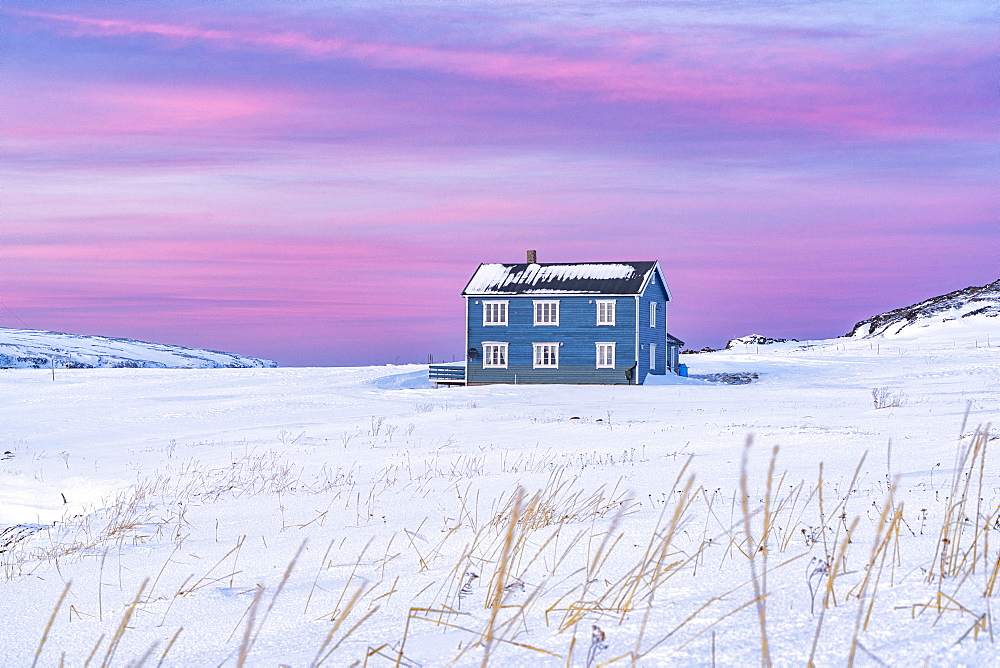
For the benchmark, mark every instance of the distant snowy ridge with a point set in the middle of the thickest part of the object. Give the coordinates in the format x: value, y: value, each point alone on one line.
x: 28, y: 348
x: 754, y: 340
x: 972, y: 302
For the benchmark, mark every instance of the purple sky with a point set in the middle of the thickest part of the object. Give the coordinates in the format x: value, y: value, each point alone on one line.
x: 315, y: 182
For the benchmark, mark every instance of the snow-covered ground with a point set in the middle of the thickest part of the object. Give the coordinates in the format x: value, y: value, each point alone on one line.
x: 356, y: 516
x: 36, y: 349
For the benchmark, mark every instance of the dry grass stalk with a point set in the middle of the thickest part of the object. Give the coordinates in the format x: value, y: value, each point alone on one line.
x: 93, y: 652
x: 655, y: 573
x: 712, y: 625
x: 350, y: 578
x: 166, y: 650
x: 942, y: 603
x: 879, y: 548
x: 706, y: 605
x: 250, y: 615
x: 322, y: 563
x: 245, y: 648
x: 437, y: 617
x: 556, y: 504
x: 765, y: 653
x: 764, y: 537
x: 950, y: 557
x: 413, y: 614
x: 141, y: 661
x: 991, y: 580
x: 322, y: 654
x: 500, y: 577
x: 109, y: 655
x: 652, y: 570
x: 204, y: 580
x: 52, y: 619
x: 836, y: 567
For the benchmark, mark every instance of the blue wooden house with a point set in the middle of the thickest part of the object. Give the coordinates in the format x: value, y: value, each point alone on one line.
x: 592, y: 322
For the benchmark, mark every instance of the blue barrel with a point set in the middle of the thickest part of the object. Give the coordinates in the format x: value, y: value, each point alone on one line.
x: 682, y: 370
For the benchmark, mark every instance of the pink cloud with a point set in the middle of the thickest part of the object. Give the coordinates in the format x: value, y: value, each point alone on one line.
x: 74, y: 110
x: 791, y: 84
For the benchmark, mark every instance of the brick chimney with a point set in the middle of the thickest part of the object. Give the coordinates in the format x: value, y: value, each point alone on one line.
x: 532, y: 257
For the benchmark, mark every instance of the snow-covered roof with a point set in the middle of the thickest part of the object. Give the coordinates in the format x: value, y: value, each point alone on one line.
x: 611, y: 278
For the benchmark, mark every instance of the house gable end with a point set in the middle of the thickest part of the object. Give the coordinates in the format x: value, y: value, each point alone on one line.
x: 656, y: 272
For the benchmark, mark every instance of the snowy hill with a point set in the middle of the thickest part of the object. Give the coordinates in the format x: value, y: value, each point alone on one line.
x: 27, y: 349
x: 972, y: 302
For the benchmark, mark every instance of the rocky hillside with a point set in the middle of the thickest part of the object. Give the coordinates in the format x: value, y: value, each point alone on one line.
x: 27, y: 348
x: 976, y: 301
x: 754, y: 340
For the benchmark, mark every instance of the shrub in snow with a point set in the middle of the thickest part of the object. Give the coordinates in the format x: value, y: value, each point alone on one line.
x: 886, y: 397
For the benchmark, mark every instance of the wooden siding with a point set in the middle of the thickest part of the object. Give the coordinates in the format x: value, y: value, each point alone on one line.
x: 526, y: 375
x: 577, y: 331
x: 655, y: 335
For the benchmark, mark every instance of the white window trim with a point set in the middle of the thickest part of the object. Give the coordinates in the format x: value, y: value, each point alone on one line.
x: 600, y: 363
x: 652, y: 356
x: 608, y: 303
x: 652, y: 314
x: 535, y: 303
x: 534, y: 355
x: 505, y: 310
x: 504, y: 346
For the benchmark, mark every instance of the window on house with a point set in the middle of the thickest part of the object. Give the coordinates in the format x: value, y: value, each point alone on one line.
x: 605, y: 312
x: 652, y: 356
x: 652, y: 314
x: 547, y: 313
x: 494, y: 355
x: 495, y: 313
x: 546, y: 355
x: 605, y: 355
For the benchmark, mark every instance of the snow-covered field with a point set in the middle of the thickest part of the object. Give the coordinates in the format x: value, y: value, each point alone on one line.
x: 356, y: 516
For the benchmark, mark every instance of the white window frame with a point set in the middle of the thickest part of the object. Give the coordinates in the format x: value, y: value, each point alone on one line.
x: 608, y: 314
x: 501, y: 307
x: 497, y: 350
x: 652, y: 356
x: 550, y: 314
x: 538, y: 355
x: 652, y: 314
x: 603, y: 347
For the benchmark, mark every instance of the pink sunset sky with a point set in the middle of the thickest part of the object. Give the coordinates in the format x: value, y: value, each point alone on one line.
x: 315, y: 182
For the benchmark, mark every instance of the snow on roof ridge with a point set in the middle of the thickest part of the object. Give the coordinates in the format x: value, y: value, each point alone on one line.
x: 534, y: 273
x: 496, y: 276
